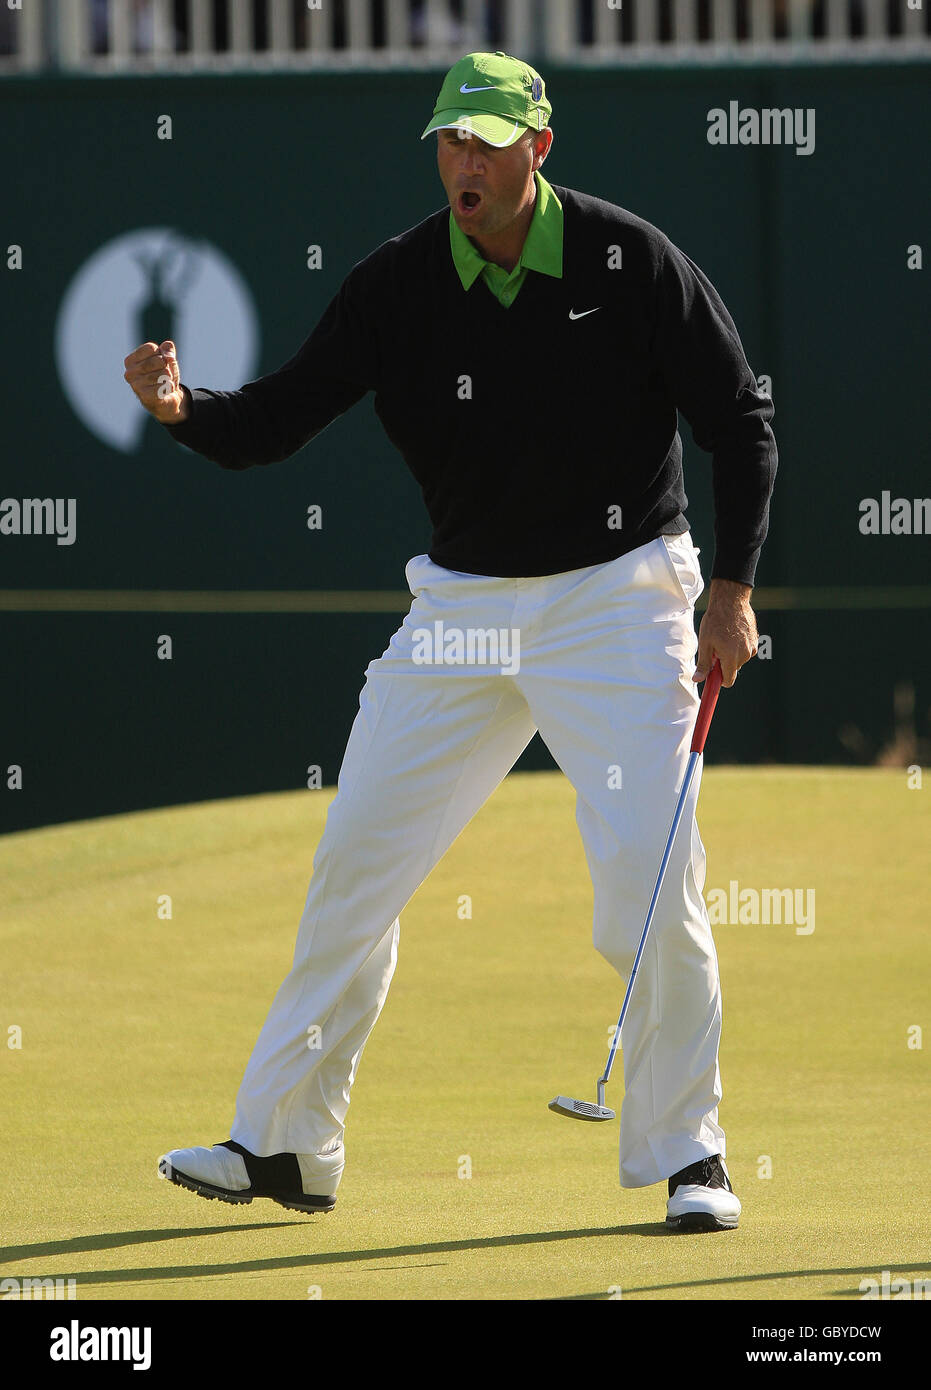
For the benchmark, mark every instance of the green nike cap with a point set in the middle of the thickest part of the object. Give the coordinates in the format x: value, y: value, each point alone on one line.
x: 493, y: 96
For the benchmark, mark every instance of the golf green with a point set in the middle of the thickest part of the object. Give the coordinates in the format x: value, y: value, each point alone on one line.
x: 460, y: 1183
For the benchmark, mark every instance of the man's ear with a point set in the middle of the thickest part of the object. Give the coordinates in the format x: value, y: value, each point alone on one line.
x: 540, y: 156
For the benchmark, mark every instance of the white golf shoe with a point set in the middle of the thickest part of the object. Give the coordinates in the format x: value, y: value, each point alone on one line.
x: 701, y: 1198
x: 230, y: 1173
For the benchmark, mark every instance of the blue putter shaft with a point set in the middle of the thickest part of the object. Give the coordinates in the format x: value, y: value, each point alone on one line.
x: 582, y: 1110
x: 689, y: 773
x: 709, y: 699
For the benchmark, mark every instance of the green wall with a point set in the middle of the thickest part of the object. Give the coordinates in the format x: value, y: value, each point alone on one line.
x: 809, y: 253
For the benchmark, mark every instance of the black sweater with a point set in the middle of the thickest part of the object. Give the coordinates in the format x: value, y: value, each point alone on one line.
x: 561, y: 419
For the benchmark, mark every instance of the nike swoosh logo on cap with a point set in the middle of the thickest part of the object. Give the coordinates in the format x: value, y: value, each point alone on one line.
x: 465, y: 90
x: 584, y: 313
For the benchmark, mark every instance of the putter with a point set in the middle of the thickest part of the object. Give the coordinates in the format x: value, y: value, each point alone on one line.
x: 583, y: 1109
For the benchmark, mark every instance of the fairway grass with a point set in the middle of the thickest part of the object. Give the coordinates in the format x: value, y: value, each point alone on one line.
x: 460, y: 1183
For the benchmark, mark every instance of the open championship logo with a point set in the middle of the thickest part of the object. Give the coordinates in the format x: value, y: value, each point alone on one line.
x: 147, y: 286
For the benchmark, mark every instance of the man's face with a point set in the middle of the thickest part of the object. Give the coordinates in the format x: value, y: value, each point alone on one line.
x: 487, y: 188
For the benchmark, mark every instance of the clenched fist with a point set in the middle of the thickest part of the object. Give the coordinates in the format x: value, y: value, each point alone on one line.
x: 152, y: 372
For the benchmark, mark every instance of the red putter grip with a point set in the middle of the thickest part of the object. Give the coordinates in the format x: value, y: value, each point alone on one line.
x: 709, y: 698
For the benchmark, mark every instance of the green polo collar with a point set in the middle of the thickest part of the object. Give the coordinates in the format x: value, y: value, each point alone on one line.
x: 542, y: 249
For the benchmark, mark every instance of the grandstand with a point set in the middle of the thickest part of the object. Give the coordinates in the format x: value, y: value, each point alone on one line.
x: 120, y: 35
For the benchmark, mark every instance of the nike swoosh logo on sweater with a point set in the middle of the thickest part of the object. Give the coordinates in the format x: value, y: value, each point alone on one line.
x: 584, y: 313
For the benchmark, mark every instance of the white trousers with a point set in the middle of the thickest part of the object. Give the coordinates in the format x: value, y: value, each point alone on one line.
x: 605, y: 663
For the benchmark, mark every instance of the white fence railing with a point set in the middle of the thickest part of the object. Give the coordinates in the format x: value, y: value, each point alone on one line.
x: 121, y: 35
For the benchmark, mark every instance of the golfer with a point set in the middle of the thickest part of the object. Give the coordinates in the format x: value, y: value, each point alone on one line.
x: 528, y: 348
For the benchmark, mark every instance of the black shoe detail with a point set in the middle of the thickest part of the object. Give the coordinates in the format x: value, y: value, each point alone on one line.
x: 707, y: 1172
x: 277, y: 1173
x: 279, y: 1177
x: 698, y: 1221
x: 306, y: 1202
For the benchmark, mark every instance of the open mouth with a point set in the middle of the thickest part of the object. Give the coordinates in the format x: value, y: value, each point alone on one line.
x: 469, y: 201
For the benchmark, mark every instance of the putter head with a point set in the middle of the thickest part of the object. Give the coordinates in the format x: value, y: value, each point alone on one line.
x: 580, y: 1109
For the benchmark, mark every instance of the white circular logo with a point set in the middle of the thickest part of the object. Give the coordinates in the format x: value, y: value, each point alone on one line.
x: 147, y: 286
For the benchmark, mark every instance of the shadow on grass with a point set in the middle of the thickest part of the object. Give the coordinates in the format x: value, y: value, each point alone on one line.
x: 114, y: 1239
x: 319, y: 1259
x: 327, y: 1257
x: 736, y: 1279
